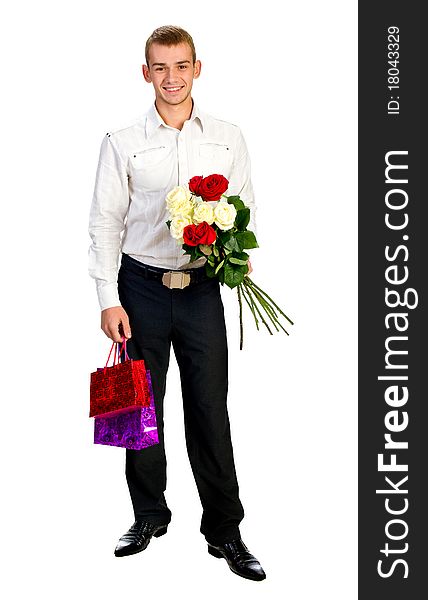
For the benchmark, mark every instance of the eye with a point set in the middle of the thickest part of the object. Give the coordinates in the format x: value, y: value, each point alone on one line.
x: 183, y: 66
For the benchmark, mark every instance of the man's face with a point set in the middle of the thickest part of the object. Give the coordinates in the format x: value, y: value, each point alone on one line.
x: 171, y: 71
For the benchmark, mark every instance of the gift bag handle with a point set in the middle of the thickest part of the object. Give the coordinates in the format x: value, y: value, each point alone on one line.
x: 117, y: 353
x: 123, y: 348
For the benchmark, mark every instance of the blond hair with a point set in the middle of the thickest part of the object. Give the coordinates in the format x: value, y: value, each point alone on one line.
x: 170, y: 35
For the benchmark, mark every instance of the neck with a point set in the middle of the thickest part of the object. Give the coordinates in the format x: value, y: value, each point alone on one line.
x: 175, y: 115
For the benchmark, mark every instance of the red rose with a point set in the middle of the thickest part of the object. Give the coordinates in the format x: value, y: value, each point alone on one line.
x: 212, y: 187
x: 193, y: 235
x: 194, y: 184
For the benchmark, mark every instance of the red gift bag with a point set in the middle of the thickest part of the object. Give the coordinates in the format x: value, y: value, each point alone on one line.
x: 120, y: 387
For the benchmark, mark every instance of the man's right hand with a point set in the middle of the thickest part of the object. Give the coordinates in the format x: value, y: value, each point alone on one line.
x: 115, y: 323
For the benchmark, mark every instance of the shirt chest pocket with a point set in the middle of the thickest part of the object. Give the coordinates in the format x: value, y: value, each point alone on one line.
x: 150, y: 167
x: 215, y: 157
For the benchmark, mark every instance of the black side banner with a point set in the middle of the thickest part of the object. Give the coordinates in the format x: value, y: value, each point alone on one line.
x: 393, y: 273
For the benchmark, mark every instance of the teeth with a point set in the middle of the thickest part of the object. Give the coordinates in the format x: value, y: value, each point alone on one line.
x: 173, y: 89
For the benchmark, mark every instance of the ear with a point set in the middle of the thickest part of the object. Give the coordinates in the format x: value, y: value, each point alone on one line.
x: 197, y: 69
x: 146, y: 73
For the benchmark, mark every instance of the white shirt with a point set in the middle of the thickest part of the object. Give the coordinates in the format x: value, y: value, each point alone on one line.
x: 138, y: 165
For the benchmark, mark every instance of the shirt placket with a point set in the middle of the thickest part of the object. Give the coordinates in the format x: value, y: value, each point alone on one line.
x: 183, y: 167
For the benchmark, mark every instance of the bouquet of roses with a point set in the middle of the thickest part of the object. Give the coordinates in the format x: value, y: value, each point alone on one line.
x: 212, y: 225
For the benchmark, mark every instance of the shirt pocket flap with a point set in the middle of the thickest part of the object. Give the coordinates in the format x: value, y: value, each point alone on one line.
x: 214, y: 149
x: 149, y: 157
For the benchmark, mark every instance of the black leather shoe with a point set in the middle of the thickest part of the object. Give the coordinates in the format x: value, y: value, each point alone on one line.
x: 137, y: 537
x: 239, y: 559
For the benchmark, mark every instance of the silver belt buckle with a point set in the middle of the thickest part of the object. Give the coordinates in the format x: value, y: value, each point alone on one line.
x: 176, y: 279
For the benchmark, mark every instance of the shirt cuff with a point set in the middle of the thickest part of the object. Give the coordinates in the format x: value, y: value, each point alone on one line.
x: 108, y: 295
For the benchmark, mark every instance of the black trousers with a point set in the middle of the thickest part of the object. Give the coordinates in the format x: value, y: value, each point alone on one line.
x: 192, y: 320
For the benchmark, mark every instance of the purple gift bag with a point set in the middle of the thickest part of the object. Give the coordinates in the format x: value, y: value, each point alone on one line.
x: 134, y: 429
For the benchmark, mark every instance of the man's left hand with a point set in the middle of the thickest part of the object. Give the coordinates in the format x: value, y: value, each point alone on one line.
x: 250, y: 268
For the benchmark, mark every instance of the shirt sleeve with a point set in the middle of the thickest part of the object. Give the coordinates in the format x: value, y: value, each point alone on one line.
x: 240, y: 181
x: 108, y: 210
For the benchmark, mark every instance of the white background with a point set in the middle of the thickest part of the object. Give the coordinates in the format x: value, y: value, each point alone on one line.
x: 72, y: 72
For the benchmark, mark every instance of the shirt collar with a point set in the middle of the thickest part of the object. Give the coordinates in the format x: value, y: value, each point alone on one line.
x: 154, y: 120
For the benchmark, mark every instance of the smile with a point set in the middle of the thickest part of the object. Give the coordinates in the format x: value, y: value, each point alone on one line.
x: 173, y: 89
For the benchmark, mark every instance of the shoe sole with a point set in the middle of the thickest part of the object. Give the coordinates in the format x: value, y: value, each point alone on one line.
x: 218, y: 554
x: 158, y: 533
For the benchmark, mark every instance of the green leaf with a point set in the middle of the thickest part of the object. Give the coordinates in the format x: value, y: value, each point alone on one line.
x: 219, y: 266
x: 237, y: 261
x: 215, y: 250
x: 223, y: 237
x: 242, y: 219
x: 236, y: 201
x: 246, y: 239
x: 241, y: 255
x: 234, y: 274
x: 211, y: 260
x: 232, y: 244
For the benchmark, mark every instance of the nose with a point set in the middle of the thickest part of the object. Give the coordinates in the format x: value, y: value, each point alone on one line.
x: 170, y: 80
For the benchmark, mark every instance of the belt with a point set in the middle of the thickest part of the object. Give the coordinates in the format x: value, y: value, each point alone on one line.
x: 177, y: 279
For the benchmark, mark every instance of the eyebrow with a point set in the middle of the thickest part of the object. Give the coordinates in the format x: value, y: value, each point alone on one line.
x: 179, y: 62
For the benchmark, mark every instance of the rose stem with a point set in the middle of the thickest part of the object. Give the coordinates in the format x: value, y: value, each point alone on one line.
x: 250, y: 291
x: 249, y: 302
x: 267, y: 308
x: 269, y: 298
x: 244, y: 295
x: 241, y: 329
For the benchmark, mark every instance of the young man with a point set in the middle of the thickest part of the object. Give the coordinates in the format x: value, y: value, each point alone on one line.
x: 138, y: 166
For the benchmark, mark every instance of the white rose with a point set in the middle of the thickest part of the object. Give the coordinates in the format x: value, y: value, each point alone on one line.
x: 178, y: 223
x: 179, y: 201
x: 203, y: 212
x: 224, y: 215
